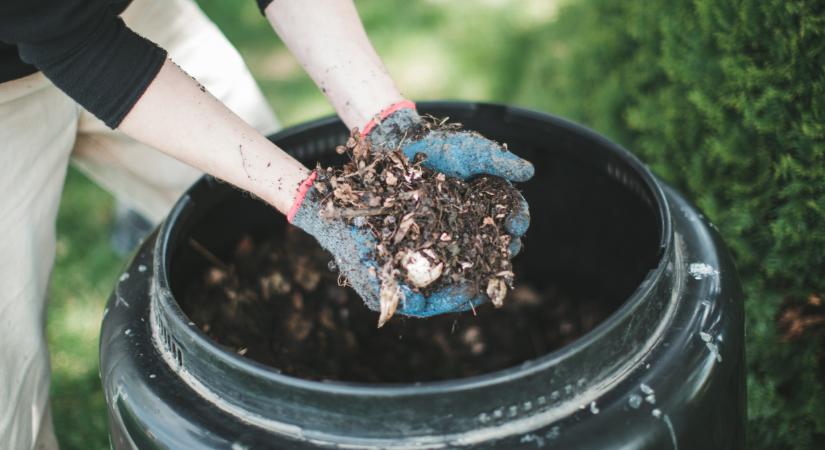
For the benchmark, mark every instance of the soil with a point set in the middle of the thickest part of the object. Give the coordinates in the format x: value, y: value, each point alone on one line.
x: 431, y: 230
x: 278, y: 302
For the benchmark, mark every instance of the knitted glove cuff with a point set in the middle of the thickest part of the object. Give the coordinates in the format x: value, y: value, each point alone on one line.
x: 303, y: 189
x: 389, y: 127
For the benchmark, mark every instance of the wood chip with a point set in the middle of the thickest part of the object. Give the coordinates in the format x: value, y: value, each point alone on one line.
x: 496, y: 290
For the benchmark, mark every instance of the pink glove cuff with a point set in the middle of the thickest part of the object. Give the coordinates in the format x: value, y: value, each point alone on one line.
x: 302, y: 193
x: 386, y: 113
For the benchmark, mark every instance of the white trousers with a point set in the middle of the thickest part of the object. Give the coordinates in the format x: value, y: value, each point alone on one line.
x: 41, y: 129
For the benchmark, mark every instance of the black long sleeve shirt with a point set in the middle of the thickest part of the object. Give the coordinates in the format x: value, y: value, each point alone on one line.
x: 84, y: 48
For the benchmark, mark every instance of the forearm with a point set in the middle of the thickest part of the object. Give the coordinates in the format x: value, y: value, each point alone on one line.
x: 328, y: 39
x: 178, y: 116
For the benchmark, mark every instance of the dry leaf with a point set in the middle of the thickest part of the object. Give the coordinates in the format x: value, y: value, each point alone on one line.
x: 389, y: 296
x: 391, y: 179
x: 406, y: 223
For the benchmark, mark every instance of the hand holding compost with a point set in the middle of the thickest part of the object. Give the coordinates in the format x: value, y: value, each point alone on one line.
x: 412, y: 239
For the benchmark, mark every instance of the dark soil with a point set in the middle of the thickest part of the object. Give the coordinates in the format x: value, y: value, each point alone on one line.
x: 431, y: 230
x: 278, y: 302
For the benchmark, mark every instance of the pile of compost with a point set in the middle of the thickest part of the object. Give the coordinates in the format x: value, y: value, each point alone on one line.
x: 431, y: 230
x: 277, y: 301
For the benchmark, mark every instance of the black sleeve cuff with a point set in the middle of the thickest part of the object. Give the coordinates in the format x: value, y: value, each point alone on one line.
x: 262, y: 4
x: 106, y: 73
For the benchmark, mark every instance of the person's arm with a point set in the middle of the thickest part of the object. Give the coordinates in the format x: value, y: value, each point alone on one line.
x: 125, y: 80
x: 329, y: 41
x: 180, y: 117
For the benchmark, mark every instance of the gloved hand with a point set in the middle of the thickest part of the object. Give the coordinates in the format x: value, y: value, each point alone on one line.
x: 456, y: 153
x: 460, y: 154
x: 353, y: 249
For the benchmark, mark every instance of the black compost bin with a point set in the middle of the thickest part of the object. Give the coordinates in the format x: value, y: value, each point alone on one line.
x: 664, y: 369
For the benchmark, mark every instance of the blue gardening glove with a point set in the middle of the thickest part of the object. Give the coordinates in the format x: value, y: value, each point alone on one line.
x: 460, y: 154
x: 353, y: 250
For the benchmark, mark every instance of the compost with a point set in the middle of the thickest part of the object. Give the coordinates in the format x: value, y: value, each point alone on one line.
x: 431, y: 230
x: 277, y: 300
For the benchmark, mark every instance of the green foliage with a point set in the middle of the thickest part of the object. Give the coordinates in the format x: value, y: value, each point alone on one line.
x: 727, y: 101
x: 85, y: 270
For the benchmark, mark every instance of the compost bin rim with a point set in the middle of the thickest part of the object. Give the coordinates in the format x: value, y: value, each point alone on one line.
x: 180, y: 321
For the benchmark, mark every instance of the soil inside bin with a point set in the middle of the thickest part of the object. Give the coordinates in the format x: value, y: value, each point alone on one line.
x: 278, y: 302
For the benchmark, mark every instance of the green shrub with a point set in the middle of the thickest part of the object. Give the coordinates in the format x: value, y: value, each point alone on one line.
x: 727, y: 101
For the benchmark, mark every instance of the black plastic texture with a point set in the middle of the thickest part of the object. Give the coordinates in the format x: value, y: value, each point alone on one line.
x: 665, y: 370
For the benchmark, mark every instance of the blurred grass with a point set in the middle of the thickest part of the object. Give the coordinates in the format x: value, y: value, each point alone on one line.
x: 85, y: 270
x: 434, y: 49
